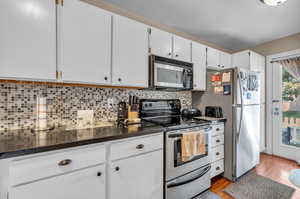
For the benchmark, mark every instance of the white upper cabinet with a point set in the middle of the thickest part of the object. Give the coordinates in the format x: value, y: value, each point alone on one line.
x: 225, y: 60
x: 199, y: 61
x: 181, y: 49
x: 28, y: 39
x: 138, y: 177
x: 213, y: 58
x: 249, y: 60
x: 160, y: 43
x: 241, y: 60
x: 217, y: 59
x: 130, y: 53
x: 85, y: 43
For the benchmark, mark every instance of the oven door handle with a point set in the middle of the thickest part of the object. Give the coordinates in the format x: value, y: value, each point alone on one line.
x: 190, y: 180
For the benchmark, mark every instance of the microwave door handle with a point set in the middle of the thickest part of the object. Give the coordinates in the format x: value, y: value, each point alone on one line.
x: 190, y: 180
x: 184, y: 78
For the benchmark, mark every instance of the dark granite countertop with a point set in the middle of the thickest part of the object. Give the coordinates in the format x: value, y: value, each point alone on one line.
x: 24, y: 142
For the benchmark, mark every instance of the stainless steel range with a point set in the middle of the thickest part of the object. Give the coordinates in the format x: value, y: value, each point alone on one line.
x: 186, y: 175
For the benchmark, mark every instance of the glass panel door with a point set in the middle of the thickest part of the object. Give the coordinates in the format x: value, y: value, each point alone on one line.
x: 285, y: 113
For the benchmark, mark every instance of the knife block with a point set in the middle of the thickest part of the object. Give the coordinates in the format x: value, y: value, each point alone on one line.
x: 133, y: 116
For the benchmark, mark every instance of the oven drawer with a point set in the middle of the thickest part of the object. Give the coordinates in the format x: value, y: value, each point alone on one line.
x: 218, y: 129
x: 217, y: 168
x: 217, y: 140
x: 137, y: 146
x: 217, y: 153
x: 189, y: 185
x: 42, y: 166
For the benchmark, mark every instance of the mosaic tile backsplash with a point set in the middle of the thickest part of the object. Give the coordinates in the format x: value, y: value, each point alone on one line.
x: 18, y: 103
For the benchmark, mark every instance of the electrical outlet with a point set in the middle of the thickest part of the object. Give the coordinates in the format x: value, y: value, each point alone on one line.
x: 110, y: 102
x: 85, y: 118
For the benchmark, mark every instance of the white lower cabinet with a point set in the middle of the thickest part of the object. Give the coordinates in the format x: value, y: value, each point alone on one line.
x: 129, y: 169
x: 217, y: 151
x: 138, y: 177
x: 87, y: 183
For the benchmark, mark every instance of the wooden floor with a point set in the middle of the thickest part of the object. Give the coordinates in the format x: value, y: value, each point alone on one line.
x: 272, y: 167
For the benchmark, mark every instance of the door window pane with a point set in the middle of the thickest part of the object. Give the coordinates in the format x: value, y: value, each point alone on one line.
x: 290, y: 110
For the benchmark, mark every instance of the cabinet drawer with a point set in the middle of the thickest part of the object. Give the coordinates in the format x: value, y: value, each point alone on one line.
x: 217, y: 153
x: 86, y: 183
x: 217, y: 140
x: 128, y: 148
x: 217, y: 168
x: 42, y: 166
x: 218, y: 129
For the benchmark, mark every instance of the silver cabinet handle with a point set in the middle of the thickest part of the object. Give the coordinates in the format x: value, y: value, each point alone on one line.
x: 65, y: 162
x: 140, y: 146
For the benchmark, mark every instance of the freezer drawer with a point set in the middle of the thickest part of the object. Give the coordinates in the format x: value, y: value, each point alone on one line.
x: 189, y: 185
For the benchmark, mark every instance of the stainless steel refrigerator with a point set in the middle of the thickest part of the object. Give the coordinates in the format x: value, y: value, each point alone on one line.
x: 238, y: 93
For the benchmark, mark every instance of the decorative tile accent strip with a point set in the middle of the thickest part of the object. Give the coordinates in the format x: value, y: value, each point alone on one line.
x: 18, y: 103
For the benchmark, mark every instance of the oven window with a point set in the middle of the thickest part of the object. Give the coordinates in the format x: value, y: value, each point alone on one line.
x: 169, y: 76
x: 190, y: 147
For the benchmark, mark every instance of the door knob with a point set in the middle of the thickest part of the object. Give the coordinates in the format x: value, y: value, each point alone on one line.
x: 119, y: 79
x: 99, y: 174
x: 105, y: 78
x: 117, y: 168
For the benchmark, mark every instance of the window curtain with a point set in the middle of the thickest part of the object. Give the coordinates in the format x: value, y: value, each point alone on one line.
x: 292, y: 66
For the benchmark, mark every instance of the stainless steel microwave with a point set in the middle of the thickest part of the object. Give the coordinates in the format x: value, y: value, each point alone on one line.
x: 165, y: 73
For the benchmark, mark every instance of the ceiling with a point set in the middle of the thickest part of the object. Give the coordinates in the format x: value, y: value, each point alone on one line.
x: 230, y: 24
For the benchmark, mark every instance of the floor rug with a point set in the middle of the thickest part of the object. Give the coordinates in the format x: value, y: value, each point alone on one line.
x: 208, y: 195
x: 253, y: 186
x: 295, y: 177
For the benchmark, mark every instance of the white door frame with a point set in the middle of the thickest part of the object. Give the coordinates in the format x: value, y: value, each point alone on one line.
x: 269, y: 103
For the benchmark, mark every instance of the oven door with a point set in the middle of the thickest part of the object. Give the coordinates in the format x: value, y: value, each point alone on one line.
x: 176, y: 164
x: 168, y: 76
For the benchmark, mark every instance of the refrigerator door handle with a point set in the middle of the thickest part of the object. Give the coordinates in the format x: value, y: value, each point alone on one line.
x: 242, y: 105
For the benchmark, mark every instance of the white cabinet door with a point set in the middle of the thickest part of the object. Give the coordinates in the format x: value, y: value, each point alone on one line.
x: 225, y: 60
x: 130, y: 53
x: 28, y: 39
x: 213, y: 58
x: 263, y: 79
x: 85, y: 46
x: 255, y: 61
x: 160, y: 43
x: 181, y: 49
x: 241, y: 59
x: 199, y: 61
x: 138, y: 177
x: 87, y: 183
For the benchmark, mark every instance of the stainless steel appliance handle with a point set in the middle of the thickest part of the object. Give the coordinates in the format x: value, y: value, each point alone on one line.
x: 176, y: 135
x: 176, y: 184
x: 242, y: 105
